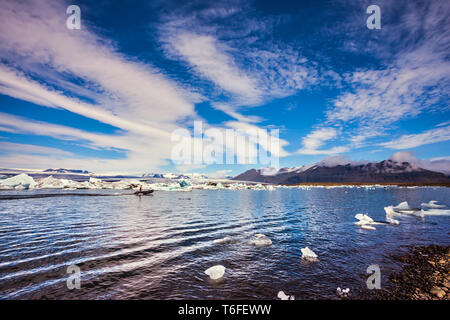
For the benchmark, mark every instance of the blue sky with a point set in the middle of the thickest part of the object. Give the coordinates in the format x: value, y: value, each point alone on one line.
x: 107, y: 97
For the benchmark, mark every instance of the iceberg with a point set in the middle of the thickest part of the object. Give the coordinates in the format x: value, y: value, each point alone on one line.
x: 282, y: 296
x: 432, y: 204
x: 260, y: 240
x: 94, y: 180
x: 365, y: 222
x: 216, y: 272
x: 53, y: 183
x: 404, y: 208
x: 435, y: 212
x: 363, y: 219
x: 389, y: 215
x: 21, y: 181
x: 223, y: 240
x: 308, y: 254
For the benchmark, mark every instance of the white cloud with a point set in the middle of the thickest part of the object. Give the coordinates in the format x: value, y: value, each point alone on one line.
x: 415, y: 140
x: 433, y: 164
x: 318, y: 138
x: 210, y: 58
x: 130, y: 95
x: 32, y: 149
x: 412, y: 75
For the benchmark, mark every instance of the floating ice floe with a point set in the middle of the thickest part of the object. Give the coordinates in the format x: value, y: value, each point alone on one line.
x: 389, y: 215
x: 216, y: 272
x: 308, y: 254
x: 363, y: 219
x: 436, y: 212
x: 20, y: 182
x: 282, y: 296
x: 405, y: 209
x: 342, y: 292
x: 365, y: 222
x: 432, y: 204
x: 367, y: 227
x: 223, y: 240
x: 260, y: 240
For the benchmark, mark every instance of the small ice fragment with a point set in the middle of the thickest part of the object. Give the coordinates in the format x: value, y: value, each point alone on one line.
x: 281, y: 295
x: 367, y: 227
x: 94, y: 180
x: 260, y: 240
x: 223, y: 240
x: 342, y: 292
x: 389, y: 215
x: 435, y: 212
x: 363, y: 219
x: 432, y: 204
x: 215, y: 272
x: 308, y: 254
x: 402, y: 206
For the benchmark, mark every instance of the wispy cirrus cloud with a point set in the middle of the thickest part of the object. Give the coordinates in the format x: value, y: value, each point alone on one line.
x: 411, y: 76
x: 226, y: 46
x: 410, y: 141
x: 45, y: 63
x: 210, y: 59
x: 317, y: 139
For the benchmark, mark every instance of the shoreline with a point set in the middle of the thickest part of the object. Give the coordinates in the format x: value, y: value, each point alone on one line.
x: 425, y: 275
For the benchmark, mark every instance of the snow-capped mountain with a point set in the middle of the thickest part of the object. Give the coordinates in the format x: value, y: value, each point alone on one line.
x: 387, y: 171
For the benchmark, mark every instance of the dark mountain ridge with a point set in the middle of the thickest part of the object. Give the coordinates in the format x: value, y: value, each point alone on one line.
x: 386, y: 171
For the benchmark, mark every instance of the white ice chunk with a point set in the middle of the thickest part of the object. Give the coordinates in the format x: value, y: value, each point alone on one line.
x: 308, y: 254
x: 342, y: 292
x: 53, y: 183
x: 367, y: 227
x: 94, y: 180
x: 216, y: 272
x: 364, y: 219
x: 260, y: 240
x: 436, y: 212
x: 432, y: 204
x: 223, y: 240
x: 282, y: 296
x: 389, y: 215
x: 402, y: 206
x: 21, y: 181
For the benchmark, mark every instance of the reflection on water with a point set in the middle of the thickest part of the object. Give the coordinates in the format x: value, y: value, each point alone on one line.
x: 157, y: 247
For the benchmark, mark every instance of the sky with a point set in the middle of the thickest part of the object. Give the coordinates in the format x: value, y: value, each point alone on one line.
x: 109, y: 96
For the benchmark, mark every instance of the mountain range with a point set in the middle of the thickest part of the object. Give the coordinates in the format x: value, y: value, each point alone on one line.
x: 384, y: 172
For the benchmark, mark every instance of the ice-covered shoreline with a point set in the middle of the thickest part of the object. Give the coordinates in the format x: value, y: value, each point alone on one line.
x: 25, y: 182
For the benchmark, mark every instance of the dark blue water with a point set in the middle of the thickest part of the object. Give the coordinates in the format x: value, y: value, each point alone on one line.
x: 157, y: 247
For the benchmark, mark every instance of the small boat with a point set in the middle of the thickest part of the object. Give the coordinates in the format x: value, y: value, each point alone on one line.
x: 144, y: 192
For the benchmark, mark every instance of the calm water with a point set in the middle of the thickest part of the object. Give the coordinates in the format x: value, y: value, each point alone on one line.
x: 157, y: 247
